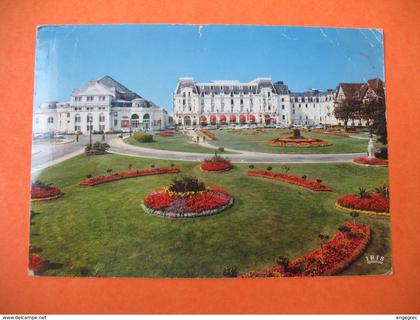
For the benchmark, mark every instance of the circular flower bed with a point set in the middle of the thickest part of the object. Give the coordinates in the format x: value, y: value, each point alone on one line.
x: 196, y: 201
x: 44, y: 192
x: 298, y: 141
x: 371, y: 204
x: 216, y: 164
x: 371, y: 161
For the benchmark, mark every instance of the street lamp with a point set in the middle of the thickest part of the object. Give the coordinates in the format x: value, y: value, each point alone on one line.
x: 90, y: 132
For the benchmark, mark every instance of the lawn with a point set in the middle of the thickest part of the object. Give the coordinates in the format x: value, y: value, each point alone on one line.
x: 102, y: 231
x: 235, y: 139
x: 176, y: 143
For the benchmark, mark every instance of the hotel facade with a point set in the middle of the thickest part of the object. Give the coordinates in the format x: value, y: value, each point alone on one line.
x: 101, y: 105
x: 260, y: 101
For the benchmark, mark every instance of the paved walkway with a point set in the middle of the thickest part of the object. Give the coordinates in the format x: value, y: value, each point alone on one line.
x: 118, y: 146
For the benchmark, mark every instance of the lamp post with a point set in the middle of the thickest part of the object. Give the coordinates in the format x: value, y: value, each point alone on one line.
x: 130, y: 128
x: 90, y: 132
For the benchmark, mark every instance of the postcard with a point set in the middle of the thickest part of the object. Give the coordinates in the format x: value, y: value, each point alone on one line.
x: 213, y: 151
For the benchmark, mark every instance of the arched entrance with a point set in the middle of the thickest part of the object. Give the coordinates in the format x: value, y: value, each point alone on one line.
x: 134, y: 121
x: 187, y: 120
x: 146, y: 122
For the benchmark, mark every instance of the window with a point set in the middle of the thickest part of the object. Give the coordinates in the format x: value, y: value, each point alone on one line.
x: 283, y: 117
x: 282, y: 99
x: 50, y: 120
x: 89, y: 118
x: 36, y: 120
x: 282, y: 106
x: 101, y: 127
x: 293, y: 111
x: 231, y: 102
x: 101, y: 117
x: 115, y: 122
x: 242, y: 101
x: 89, y: 98
x: 306, y: 106
x: 77, y: 118
x: 68, y: 114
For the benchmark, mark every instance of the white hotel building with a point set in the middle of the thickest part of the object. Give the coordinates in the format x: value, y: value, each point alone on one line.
x: 104, y: 104
x: 260, y: 101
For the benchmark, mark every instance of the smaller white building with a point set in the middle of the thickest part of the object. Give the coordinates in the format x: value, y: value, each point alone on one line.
x: 101, y: 105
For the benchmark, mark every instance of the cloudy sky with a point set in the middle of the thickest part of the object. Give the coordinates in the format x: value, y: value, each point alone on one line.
x: 149, y: 59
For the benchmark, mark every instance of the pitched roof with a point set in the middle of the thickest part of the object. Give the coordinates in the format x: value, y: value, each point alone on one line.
x: 122, y: 90
x: 350, y: 89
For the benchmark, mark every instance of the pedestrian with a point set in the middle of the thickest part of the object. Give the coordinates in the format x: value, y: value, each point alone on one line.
x: 198, y: 139
x: 77, y: 138
x: 103, y: 136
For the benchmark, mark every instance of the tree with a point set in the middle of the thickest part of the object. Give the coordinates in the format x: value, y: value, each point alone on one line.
x: 347, y: 109
x: 373, y: 111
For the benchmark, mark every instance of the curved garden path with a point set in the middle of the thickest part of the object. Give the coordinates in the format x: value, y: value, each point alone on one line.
x: 118, y: 146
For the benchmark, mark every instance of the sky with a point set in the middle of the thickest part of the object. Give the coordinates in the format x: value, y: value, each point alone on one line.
x: 149, y: 59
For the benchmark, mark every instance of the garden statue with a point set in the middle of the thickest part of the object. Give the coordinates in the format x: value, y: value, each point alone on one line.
x: 371, y: 153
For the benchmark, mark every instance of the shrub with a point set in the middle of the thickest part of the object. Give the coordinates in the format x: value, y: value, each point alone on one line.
x: 363, y: 194
x: 221, y: 149
x: 319, y: 180
x: 97, y: 146
x: 172, y: 165
x: 130, y: 166
x: 88, y: 176
x: 285, y: 169
x: 344, y: 229
x: 383, y: 190
x: 382, y: 153
x: 152, y: 166
x: 186, y: 184
x: 269, y: 168
x: 304, y: 177
x: 108, y: 170
x: 143, y: 137
x: 282, y: 261
x: 296, y: 133
x: 251, y: 166
x: 230, y: 271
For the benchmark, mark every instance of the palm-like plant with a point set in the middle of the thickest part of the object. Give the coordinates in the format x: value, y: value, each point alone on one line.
x: 354, y: 214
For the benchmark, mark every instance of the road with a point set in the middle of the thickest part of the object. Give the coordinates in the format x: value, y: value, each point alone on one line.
x: 45, y: 154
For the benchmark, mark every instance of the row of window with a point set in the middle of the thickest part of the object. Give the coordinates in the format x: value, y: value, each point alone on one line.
x: 309, y: 99
x: 89, y: 108
x: 90, y: 98
x: 89, y: 118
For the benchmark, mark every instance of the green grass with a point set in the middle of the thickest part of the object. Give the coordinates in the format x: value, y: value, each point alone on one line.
x: 102, y: 231
x: 259, y: 143
x: 176, y: 143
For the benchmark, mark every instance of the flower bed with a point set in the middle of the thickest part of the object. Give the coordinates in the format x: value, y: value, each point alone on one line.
x: 207, y: 134
x: 300, y: 142
x: 373, y: 204
x: 312, y: 185
x: 334, y: 256
x: 371, y: 161
x: 166, y: 134
x: 208, y: 165
x: 188, y: 204
x: 44, y: 192
x: 128, y: 174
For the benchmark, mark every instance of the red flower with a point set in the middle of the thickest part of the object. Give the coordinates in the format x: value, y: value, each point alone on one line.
x: 128, y: 174
x: 166, y: 134
x: 44, y: 192
x: 333, y: 257
x: 375, y: 202
x: 35, y: 262
x: 373, y: 161
x: 209, y: 165
x: 312, y: 185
